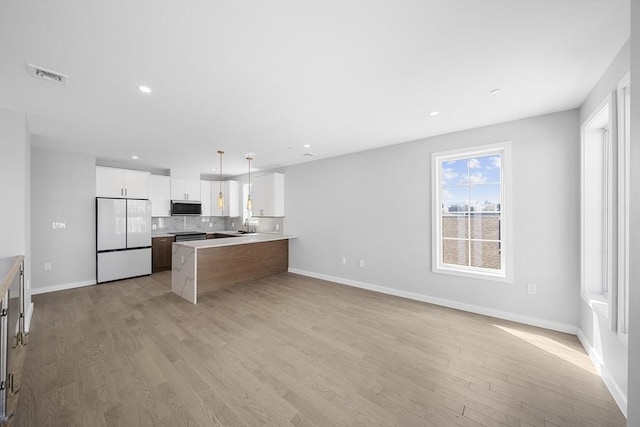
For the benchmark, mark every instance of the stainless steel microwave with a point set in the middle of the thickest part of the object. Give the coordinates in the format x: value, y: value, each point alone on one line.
x: 180, y: 207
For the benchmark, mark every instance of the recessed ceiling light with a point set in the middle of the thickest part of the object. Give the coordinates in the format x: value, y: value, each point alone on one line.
x: 307, y: 145
x: 434, y: 113
x: 214, y: 169
x: 144, y: 89
x: 494, y: 91
x: 134, y: 157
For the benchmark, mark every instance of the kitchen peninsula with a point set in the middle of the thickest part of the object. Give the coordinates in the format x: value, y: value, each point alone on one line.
x: 207, y: 265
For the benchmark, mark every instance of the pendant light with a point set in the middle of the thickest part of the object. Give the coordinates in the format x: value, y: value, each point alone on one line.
x: 249, y: 202
x: 220, y: 195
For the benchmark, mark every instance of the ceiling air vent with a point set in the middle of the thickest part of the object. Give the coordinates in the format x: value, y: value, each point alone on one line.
x: 48, y: 75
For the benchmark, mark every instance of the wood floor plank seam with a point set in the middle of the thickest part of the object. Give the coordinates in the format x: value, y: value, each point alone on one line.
x: 289, y: 350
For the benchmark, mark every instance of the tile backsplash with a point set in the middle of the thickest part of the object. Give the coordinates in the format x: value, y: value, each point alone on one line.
x: 188, y: 223
x: 204, y: 224
x: 260, y: 225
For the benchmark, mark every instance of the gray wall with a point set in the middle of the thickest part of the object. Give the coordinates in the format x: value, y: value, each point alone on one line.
x: 15, y: 151
x: 634, y: 289
x: 376, y: 206
x: 63, y: 190
x: 594, y: 327
x: 608, y: 82
x: 13, y: 188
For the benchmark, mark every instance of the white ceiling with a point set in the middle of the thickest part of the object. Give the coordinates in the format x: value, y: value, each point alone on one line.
x: 270, y: 76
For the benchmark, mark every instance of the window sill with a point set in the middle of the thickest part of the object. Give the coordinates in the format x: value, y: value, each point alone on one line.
x: 494, y: 277
x: 597, y: 303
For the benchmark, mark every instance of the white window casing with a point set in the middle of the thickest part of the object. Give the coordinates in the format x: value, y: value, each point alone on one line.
x: 439, y: 165
x: 597, y: 286
x: 624, y: 182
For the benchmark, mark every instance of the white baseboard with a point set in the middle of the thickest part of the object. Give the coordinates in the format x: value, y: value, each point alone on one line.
x: 27, y: 318
x: 618, y: 394
x: 62, y: 287
x: 527, y: 320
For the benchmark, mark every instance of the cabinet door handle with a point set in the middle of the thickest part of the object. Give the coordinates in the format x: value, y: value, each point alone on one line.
x: 126, y: 191
x: 121, y: 193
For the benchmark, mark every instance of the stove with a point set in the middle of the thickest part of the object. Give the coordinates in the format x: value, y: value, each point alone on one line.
x: 184, y: 236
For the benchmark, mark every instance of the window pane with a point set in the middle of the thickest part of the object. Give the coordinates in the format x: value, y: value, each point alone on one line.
x: 484, y: 170
x: 455, y: 199
x: 485, y: 198
x: 485, y: 254
x: 485, y: 226
x: 455, y: 252
x: 455, y: 225
x: 454, y: 172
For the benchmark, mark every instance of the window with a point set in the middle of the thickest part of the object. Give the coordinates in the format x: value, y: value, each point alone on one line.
x: 597, y: 211
x: 470, y: 226
x: 624, y: 132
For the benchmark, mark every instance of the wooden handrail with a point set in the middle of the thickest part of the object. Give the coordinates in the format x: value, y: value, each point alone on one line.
x: 9, y: 268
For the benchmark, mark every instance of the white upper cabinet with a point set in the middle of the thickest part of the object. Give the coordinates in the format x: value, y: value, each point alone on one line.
x: 160, y: 195
x: 233, y: 203
x: 231, y: 192
x: 205, y: 197
x: 267, y: 195
x: 112, y: 182
x: 185, y: 189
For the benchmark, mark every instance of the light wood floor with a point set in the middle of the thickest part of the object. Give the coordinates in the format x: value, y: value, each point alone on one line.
x: 290, y: 350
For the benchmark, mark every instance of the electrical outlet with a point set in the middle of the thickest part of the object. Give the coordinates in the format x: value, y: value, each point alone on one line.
x: 48, y: 266
x: 58, y: 225
x: 210, y: 224
x: 362, y: 263
x: 233, y: 225
x: 153, y: 226
x: 531, y: 288
x: 344, y: 260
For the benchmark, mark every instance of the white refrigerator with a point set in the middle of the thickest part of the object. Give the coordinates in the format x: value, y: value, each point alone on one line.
x: 123, y: 238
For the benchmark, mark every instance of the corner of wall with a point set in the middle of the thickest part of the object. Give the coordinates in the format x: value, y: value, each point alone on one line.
x: 619, y: 395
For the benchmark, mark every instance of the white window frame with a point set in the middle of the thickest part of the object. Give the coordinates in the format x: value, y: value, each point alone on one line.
x: 624, y: 186
x: 506, y: 229
x: 599, y: 299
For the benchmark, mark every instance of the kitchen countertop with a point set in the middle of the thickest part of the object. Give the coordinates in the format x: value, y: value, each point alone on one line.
x: 162, y: 235
x: 173, y: 233
x: 245, y: 239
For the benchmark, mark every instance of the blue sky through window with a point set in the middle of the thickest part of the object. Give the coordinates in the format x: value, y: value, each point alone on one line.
x: 471, y: 184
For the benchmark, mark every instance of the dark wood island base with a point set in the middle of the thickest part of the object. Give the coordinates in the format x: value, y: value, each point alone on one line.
x: 219, y: 267
x: 201, y: 266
